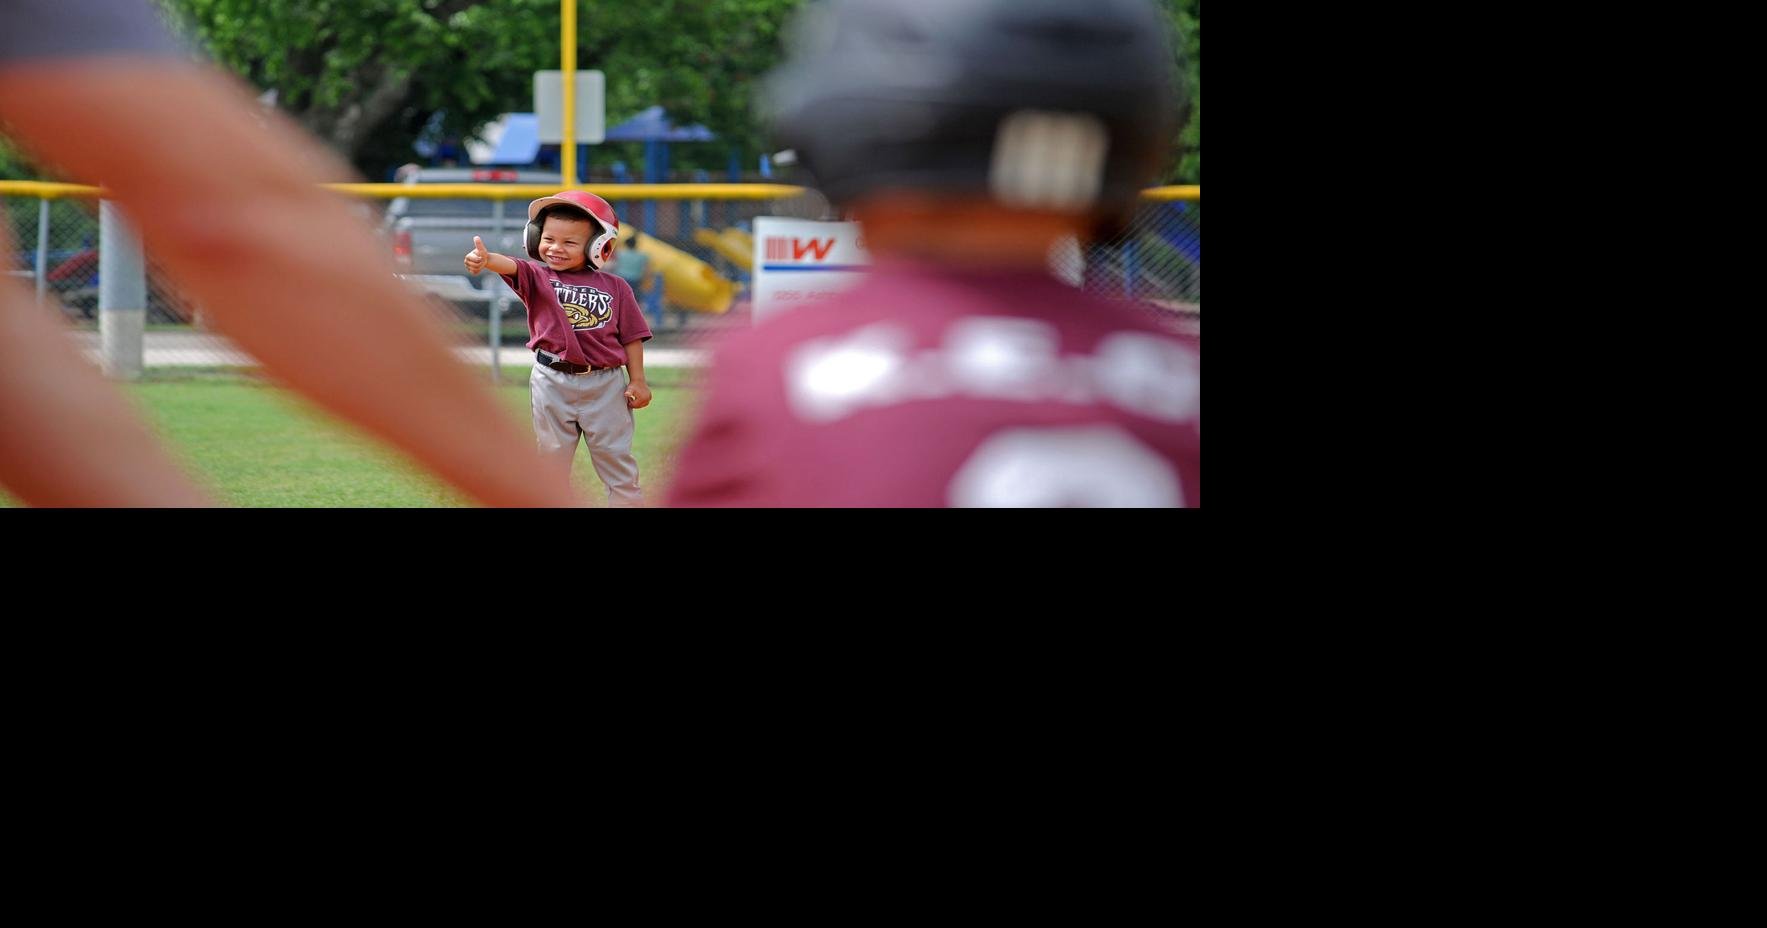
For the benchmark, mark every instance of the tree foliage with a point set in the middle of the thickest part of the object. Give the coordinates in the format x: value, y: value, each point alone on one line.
x: 368, y: 75
x: 1186, y: 164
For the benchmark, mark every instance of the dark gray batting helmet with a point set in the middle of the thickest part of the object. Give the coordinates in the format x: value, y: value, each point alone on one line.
x: 1063, y: 104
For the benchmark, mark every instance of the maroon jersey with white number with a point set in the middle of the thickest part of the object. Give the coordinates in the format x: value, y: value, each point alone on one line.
x: 927, y: 386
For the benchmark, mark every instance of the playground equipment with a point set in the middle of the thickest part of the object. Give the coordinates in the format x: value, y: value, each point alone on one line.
x: 688, y: 282
x: 735, y: 245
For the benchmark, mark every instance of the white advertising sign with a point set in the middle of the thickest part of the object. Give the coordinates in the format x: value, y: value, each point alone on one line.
x: 801, y: 260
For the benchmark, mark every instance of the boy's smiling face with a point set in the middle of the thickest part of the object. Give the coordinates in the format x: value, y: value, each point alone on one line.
x: 562, y: 240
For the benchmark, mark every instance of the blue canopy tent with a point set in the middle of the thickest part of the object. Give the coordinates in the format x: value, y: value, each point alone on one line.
x: 652, y: 127
x: 520, y: 141
x: 512, y: 139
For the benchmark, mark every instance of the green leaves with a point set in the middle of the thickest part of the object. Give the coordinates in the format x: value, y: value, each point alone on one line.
x: 367, y: 74
x: 1186, y: 165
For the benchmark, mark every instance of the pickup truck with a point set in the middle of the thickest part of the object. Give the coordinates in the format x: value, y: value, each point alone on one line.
x: 431, y: 236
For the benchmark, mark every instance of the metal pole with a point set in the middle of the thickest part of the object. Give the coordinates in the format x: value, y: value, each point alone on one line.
x: 122, y: 294
x: 42, y: 246
x: 651, y: 176
x: 496, y: 307
x: 567, y: 54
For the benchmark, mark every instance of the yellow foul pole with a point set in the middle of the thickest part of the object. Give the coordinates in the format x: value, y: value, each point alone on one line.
x: 567, y: 53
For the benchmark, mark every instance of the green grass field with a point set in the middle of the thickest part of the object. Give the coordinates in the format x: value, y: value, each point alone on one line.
x: 253, y: 444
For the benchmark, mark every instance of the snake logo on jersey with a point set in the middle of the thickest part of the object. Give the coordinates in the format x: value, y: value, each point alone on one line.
x: 587, y: 307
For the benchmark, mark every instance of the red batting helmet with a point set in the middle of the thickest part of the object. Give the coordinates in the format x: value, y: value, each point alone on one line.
x: 600, y: 249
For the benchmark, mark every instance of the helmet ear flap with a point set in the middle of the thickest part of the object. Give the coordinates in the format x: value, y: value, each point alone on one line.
x: 601, y: 251
x: 531, y: 238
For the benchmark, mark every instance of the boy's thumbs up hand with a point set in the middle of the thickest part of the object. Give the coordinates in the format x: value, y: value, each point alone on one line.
x: 476, y: 258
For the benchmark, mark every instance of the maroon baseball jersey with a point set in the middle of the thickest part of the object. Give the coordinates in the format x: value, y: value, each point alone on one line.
x: 937, y: 387
x: 585, y: 317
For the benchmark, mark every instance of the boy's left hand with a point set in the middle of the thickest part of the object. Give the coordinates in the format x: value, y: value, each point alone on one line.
x: 637, y: 395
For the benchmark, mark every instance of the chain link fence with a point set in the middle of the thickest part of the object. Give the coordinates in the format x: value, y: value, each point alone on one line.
x: 700, y: 253
x: 1155, y: 261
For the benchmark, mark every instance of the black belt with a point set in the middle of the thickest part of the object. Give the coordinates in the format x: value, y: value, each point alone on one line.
x: 560, y: 364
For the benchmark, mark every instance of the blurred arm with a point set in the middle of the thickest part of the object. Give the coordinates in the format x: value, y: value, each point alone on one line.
x: 70, y: 439
x: 223, y: 195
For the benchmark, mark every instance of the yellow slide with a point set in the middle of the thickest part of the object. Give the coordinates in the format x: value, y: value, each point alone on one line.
x: 743, y: 242
x: 733, y: 243
x: 688, y: 282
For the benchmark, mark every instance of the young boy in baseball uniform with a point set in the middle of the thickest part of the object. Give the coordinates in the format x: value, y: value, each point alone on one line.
x: 584, y: 324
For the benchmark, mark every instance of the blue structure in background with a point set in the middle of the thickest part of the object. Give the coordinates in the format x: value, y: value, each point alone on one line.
x: 653, y: 128
x: 653, y: 125
x: 1187, y: 239
x: 520, y: 146
x: 1171, y: 229
x: 520, y: 142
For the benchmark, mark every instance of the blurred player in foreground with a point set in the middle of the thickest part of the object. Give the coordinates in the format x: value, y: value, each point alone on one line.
x: 224, y: 197
x: 969, y: 138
